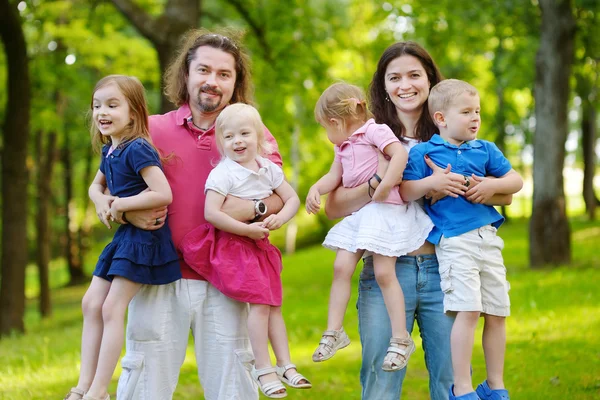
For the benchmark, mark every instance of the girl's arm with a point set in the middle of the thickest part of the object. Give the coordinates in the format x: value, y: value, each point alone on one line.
x: 393, y: 176
x: 291, y: 203
x: 158, y: 195
x: 101, y: 201
x: 326, y: 184
x: 222, y: 221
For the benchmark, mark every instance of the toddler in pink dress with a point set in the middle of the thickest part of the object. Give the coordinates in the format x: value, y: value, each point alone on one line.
x: 237, y: 258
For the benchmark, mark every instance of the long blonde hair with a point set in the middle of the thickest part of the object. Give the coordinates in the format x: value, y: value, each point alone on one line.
x: 342, y: 101
x: 134, y: 92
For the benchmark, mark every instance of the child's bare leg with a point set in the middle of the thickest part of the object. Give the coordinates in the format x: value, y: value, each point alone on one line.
x: 113, y: 314
x: 91, y: 336
x: 343, y: 268
x: 461, y: 344
x: 258, y: 330
x: 385, y: 274
x: 279, y: 341
x: 494, y: 347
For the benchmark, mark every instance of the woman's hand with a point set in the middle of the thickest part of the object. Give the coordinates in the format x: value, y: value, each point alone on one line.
x: 445, y: 182
x: 103, y: 205
x: 149, y: 220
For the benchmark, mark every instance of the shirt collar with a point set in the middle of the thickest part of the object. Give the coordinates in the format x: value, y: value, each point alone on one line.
x: 440, y: 141
x: 183, y: 113
x: 363, y: 129
x: 241, y: 172
x: 119, y: 149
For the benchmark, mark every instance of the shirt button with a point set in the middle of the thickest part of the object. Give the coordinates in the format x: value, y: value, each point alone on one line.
x: 459, y: 152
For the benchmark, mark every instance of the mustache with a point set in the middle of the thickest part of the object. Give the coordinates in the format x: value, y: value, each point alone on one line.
x: 210, y: 90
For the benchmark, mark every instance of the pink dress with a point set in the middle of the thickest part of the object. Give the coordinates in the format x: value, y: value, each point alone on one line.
x: 241, y: 268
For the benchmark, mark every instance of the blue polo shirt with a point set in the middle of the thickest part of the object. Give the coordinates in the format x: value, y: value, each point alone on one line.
x: 122, y: 167
x: 455, y: 216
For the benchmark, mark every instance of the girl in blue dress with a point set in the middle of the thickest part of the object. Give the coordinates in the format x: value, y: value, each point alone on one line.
x: 131, y: 170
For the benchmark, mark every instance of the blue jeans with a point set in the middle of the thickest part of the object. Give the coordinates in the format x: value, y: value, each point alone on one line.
x: 420, y: 280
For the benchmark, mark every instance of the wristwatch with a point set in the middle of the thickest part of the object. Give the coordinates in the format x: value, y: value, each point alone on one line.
x: 260, y: 209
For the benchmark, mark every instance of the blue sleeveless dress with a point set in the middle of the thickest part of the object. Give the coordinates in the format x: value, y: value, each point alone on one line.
x: 147, y: 257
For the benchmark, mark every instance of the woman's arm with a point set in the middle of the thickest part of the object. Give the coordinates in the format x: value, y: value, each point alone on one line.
x: 224, y: 222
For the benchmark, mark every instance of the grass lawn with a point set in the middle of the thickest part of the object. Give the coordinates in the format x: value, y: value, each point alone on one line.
x: 553, y: 347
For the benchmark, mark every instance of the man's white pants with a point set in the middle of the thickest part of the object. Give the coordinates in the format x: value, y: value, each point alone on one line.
x: 159, y: 320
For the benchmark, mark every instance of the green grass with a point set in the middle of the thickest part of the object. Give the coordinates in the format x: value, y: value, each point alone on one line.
x: 553, y: 347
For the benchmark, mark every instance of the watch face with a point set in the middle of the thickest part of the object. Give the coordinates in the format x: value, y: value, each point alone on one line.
x: 261, y: 207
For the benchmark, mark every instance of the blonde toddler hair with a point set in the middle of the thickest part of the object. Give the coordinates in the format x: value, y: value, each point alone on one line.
x: 342, y: 101
x: 444, y: 93
x: 244, y: 112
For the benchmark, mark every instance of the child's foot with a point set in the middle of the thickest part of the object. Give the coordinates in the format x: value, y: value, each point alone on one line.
x: 486, y: 393
x: 398, y: 353
x: 291, y: 377
x: 331, y: 342
x: 74, y: 394
x: 268, y: 382
x: 88, y: 397
x: 468, y: 396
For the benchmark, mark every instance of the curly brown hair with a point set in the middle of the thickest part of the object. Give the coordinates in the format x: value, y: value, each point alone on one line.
x: 177, y: 72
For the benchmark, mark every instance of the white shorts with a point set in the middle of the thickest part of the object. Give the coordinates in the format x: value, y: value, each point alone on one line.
x: 472, y: 271
x: 159, y: 321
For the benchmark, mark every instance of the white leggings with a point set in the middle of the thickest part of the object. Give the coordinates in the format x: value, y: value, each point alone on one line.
x: 159, y: 321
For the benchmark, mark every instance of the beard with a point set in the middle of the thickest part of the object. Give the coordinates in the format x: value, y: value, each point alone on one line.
x: 209, y: 105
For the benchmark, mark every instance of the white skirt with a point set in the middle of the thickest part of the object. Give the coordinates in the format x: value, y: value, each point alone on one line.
x: 391, y: 230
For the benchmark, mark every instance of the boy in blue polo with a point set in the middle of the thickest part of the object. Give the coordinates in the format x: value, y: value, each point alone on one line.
x: 473, y: 276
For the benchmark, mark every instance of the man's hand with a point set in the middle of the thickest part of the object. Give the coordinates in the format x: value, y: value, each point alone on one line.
x: 273, y: 222
x: 146, y: 219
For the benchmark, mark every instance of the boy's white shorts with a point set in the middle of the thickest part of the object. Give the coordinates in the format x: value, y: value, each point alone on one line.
x: 472, y: 271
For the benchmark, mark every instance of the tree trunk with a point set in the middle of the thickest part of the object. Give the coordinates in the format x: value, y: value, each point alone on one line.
x: 83, y: 232
x: 164, y: 31
x: 74, y: 263
x: 588, y: 146
x: 14, y: 172
x: 44, y: 185
x: 500, y: 120
x: 549, y: 231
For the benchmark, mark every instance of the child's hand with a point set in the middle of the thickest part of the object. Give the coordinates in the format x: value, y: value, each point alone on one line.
x: 103, y: 205
x: 115, y: 211
x: 481, y: 189
x: 273, y: 222
x: 257, y: 231
x: 382, y: 192
x: 313, y: 201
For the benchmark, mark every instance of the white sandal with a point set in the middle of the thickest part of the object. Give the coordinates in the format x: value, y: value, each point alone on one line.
x: 269, y: 389
x: 398, y: 353
x: 331, y: 342
x: 295, y: 379
x: 75, y: 391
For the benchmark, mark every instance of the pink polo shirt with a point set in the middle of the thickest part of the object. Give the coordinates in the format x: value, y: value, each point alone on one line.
x: 195, y: 154
x: 358, y: 155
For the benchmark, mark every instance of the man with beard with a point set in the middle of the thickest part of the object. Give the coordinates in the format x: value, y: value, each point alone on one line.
x: 210, y: 72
